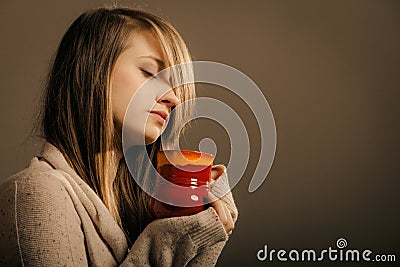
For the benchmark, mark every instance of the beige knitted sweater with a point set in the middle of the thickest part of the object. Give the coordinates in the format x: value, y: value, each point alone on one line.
x: 50, y: 217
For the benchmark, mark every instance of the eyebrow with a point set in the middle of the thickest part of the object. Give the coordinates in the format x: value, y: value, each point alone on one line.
x: 160, y: 63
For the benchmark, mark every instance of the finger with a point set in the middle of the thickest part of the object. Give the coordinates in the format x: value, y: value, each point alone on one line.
x: 234, y: 217
x: 219, y: 208
x: 231, y: 206
x: 217, y: 171
x: 212, y: 197
x: 230, y: 224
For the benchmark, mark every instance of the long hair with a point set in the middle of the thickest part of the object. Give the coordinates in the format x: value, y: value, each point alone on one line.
x: 77, y: 113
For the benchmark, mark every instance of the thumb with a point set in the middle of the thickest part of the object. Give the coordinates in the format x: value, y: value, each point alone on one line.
x: 217, y: 171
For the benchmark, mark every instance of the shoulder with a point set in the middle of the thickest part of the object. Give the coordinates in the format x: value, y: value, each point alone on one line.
x: 38, y: 217
x: 35, y: 195
x: 38, y: 181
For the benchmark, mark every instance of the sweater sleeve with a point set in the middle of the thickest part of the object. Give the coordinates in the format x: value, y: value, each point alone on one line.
x: 179, y: 241
x: 39, y: 225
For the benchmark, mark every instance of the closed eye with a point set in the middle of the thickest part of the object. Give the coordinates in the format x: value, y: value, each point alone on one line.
x: 148, y: 74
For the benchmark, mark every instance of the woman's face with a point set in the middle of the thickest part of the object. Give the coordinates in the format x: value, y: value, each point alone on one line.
x: 149, y: 110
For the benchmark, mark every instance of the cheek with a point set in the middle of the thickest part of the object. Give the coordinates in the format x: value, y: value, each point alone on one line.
x: 124, y: 85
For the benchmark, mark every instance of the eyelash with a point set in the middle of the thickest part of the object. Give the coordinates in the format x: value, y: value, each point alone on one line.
x: 149, y: 74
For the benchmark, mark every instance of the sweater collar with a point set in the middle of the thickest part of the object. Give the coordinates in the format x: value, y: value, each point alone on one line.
x: 108, y: 228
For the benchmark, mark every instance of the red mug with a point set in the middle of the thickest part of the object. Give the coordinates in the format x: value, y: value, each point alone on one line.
x: 190, y: 172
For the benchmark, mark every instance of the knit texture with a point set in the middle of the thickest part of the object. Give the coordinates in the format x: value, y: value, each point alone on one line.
x: 50, y: 217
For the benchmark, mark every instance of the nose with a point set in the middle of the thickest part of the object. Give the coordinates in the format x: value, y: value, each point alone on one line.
x: 169, y: 99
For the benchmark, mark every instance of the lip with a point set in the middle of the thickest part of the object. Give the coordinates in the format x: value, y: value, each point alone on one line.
x: 160, y: 115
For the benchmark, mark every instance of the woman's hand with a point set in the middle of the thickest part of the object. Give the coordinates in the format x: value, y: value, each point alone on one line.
x: 221, y: 198
x: 224, y: 215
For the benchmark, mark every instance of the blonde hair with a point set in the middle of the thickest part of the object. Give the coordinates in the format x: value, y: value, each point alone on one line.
x: 77, y: 113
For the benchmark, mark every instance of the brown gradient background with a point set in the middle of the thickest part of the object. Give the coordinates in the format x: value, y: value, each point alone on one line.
x: 330, y: 71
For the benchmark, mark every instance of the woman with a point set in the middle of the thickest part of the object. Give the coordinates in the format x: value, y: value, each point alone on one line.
x: 77, y: 204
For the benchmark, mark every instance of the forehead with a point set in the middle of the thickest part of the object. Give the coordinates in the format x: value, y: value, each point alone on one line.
x: 145, y: 43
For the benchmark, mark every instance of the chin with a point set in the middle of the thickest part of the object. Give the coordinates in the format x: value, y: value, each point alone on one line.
x: 152, y: 134
x: 150, y: 140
